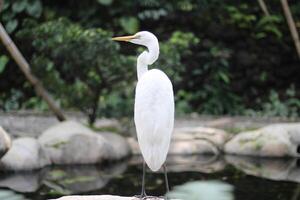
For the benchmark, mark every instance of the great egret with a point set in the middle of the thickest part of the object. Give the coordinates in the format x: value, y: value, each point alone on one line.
x: 153, y: 107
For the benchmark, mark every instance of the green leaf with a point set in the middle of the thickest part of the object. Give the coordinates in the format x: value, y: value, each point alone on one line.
x: 34, y: 9
x: 129, y: 24
x: 11, y: 25
x: 19, y: 6
x: 3, y: 62
x: 105, y: 2
x: 224, y: 77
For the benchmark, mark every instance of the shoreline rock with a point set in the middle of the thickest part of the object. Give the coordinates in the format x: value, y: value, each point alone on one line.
x: 192, y: 140
x: 276, y: 140
x: 70, y: 142
x: 25, y: 154
x: 5, y: 142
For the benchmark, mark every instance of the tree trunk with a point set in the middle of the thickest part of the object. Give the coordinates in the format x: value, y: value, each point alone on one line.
x: 1, y: 5
x: 263, y: 7
x: 25, y: 68
x: 94, y: 108
x: 291, y: 23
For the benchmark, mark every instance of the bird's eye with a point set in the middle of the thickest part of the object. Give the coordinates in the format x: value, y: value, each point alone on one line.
x: 137, y: 37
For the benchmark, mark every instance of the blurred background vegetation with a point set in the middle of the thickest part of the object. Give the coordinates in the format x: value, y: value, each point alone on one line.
x: 224, y: 57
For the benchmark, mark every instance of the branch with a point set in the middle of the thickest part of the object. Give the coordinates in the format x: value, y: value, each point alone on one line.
x: 25, y: 68
x: 291, y: 23
x: 263, y: 7
x: 1, y: 5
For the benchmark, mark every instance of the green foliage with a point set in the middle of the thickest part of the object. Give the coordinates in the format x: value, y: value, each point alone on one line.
x: 173, y: 52
x: 239, y: 16
x: 3, y: 62
x: 13, y: 10
x: 223, y: 57
x: 268, y: 25
x: 275, y: 106
x: 78, y: 65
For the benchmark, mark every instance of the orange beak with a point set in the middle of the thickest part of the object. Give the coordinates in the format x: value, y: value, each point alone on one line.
x: 124, y: 38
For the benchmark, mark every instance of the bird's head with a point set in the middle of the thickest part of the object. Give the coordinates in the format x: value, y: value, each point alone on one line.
x: 144, y: 38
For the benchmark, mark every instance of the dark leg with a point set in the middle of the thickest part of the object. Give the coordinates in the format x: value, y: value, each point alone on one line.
x: 166, y: 178
x: 143, y: 194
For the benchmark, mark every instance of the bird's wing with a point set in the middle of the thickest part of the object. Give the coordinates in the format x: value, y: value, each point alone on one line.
x: 154, y: 116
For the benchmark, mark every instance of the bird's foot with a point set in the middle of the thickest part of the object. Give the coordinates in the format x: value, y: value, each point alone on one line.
x: 145, y: 197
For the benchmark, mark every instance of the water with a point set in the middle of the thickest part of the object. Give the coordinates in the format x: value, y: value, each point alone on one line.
x: 252, y: 178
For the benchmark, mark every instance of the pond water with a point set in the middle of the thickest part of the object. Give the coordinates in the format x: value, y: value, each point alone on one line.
x: 252, y: 178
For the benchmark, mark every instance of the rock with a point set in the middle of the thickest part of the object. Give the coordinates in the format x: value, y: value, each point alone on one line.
x: 192, y: 140
x: 5, y: 142
x: 184, y: 147
x: 72, y: 143
x: 278, y: 140
x: 189, y: 147
x: 216, y: 136
x: 25, y: 154
x: 103, y: 197
x: 119, y: 146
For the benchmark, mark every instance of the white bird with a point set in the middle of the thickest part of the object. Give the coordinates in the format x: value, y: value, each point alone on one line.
x: 154, y: 105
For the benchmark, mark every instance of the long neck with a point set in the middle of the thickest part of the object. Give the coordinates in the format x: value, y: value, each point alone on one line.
x: 147, y: 58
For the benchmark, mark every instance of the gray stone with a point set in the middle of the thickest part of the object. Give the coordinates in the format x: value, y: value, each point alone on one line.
x: 5, y: 142
x: 119, y: 146
x: 72, y: 143
x: 189, y: 147
x: 217, y: 137
x: 25, y: 154
x: 192, y: 140
x: 278, y: 140
x: 184, y: 147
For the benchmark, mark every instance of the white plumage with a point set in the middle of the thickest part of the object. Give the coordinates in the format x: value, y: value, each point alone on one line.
x: 154, y: 116
x: 153, y: 107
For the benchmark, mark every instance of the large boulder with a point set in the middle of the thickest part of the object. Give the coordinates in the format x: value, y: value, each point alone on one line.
x: 215, y: 136
x: 277, y: 140
x: 118, y: 146
x: 192, y: 140
x: 72, y: 143
x: 5, y: 142
x: 25, y: 154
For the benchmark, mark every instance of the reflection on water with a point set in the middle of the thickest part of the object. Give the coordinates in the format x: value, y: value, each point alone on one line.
x: 274, y: 169
x: 252, y: 178
x: 202, y: 190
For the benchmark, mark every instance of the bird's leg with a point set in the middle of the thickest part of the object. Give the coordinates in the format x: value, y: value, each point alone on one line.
x: 166, y: 179
x: 143, y: 193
